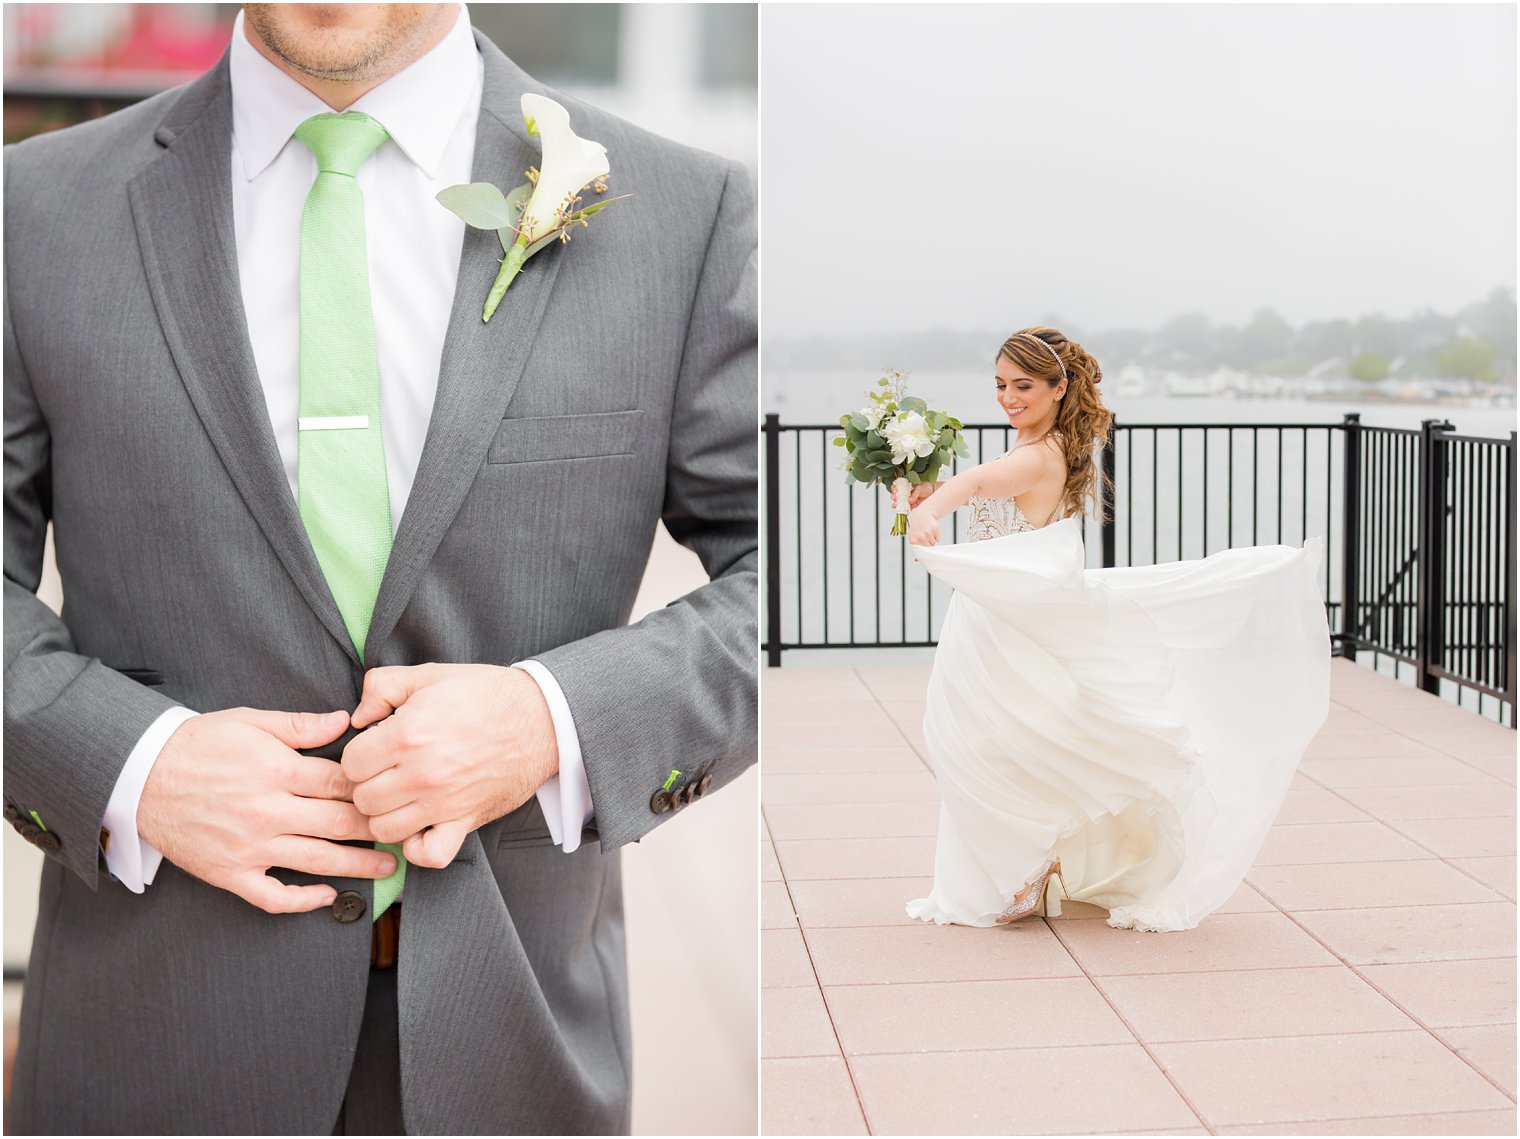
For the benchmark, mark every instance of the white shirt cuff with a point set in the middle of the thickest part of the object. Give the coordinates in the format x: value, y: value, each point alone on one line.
x: 566, y: 798
x: 131, y: 859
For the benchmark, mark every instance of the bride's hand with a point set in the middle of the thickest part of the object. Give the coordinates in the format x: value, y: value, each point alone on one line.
x: 921, y: 493
x: 923, y: 528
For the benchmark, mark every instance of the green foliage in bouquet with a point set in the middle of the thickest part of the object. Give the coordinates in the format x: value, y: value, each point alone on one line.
x: 898, y: 437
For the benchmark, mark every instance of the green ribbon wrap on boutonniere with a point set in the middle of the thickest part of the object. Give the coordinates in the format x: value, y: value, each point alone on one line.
x: 544, y: 209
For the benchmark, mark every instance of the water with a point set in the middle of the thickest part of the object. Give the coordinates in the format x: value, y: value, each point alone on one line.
x: 823, y: 396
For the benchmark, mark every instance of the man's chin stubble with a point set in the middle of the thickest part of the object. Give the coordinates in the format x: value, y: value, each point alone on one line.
x: 369, y: 66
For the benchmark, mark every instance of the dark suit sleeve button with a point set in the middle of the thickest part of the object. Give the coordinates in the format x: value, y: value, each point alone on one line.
x: 46, y: 841
x: 348, y: 906
x: 28, y: 830
x: 703, y: 786
x: 661, y: 802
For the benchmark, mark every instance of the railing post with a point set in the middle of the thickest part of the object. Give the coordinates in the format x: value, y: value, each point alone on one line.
x: 1509, y: 577
x: 1351, y: 533
x: 1430, y: 623
x: 773, y: 541
x: 1109, y: 494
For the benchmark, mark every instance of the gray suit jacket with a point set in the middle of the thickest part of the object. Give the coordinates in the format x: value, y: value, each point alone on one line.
x: 614, y: 387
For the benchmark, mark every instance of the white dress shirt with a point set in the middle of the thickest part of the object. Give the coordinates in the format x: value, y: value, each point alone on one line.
x: 430, y: 111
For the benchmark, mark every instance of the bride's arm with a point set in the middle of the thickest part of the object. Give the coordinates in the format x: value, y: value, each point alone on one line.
x: 1001, y: 478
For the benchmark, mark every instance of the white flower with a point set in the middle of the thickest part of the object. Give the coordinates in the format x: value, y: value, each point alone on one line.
x: 907, y: 435
x: 873, y: 416
x: 570, y: 163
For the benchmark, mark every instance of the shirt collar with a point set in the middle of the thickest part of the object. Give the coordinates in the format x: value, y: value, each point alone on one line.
x: 418, y: 106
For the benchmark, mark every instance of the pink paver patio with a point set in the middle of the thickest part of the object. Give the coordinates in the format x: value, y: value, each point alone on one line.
x: 1362, y: 981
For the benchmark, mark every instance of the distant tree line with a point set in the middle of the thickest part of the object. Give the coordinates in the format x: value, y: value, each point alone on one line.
x: 1475, y: 343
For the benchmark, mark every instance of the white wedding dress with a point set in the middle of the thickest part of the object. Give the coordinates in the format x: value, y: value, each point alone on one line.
x: 1140, y: 725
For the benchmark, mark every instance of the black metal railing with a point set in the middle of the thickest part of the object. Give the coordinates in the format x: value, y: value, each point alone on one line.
x: 1417, y: 524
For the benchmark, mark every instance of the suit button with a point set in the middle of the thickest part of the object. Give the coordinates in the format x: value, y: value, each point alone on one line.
x: 12, y: 815
x: 28, y: 830
x: 46, y: 841
x: 688, y: 794
x: 703, y: 786
x: 348, y: 906
x: 661, y: 802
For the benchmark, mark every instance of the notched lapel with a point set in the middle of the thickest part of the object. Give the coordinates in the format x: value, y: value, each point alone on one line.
x: 482, y: 363
x: 182, y: 208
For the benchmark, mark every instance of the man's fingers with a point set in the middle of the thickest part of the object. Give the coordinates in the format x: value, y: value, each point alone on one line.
x: 385, y: 690
x: 314, y: 778
x: 383, y: 794
x: 320, y: 818
x: 328, y: 859
x: 437, y: 847
x: 401, y: 824
x: 300, y: 729
x: 275, y: 897
x: 368, y: 754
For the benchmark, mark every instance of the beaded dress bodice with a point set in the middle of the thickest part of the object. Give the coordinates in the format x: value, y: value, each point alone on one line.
x: 997, y: 517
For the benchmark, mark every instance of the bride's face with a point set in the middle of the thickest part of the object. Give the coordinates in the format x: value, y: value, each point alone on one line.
x: 1027, y: 401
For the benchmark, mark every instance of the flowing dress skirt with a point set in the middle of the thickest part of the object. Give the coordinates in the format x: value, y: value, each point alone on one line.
x: 1141, y: 724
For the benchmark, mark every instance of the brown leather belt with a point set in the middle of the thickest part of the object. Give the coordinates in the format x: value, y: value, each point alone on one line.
x: 385, y: 938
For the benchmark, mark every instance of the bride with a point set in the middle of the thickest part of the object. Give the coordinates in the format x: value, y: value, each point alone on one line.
x: 1121, y: 737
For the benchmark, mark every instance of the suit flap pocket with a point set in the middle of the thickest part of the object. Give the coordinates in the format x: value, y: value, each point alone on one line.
x: 152, y: 677
x: 543, y: 438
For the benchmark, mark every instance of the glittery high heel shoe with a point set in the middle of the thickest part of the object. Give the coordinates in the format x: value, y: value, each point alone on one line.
x: 1035, y: 896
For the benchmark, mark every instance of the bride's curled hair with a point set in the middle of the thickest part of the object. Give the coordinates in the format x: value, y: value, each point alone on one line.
x: 1082, y: 422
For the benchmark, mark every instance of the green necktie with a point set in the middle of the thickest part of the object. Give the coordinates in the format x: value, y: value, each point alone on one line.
x: 340, y: 455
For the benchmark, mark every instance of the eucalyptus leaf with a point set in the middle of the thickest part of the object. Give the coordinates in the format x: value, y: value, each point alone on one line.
x: 479, y: 204
x: 517, y: 201
x: 837, y: 441
x: 912, y: 403
x: 860, y: 422
x: 596, y: 207
x: 875, y: 441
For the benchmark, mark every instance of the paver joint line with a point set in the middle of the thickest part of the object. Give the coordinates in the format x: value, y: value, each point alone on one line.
x: 1395, y: 798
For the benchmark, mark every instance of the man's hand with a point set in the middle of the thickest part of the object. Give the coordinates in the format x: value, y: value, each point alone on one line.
x: 229, y: 796
x: 453, y: 746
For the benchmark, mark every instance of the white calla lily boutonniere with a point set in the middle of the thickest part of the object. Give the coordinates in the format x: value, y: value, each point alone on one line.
x: 545, y: 208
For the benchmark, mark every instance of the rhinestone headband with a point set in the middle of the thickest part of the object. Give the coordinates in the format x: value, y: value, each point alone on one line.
x: 1045, y: 345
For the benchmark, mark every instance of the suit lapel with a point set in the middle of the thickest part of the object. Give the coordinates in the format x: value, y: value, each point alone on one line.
x: 482, y: 363
x: 182, y: 209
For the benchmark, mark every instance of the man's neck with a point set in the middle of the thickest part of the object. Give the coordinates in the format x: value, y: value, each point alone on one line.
x: 340, y: 94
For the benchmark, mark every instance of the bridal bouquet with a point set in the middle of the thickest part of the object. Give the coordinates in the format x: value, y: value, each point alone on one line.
x: 898, y: 442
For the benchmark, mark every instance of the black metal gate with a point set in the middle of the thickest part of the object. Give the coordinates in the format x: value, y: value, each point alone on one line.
x: 1418, y: 526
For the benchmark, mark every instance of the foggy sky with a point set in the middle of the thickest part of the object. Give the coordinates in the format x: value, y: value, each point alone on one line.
x: 983, y: 166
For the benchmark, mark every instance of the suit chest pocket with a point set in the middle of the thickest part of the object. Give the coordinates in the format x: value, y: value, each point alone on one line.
x: 543, y: 439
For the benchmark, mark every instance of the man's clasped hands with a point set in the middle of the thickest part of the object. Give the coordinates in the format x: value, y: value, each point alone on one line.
x: 447, y: 748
